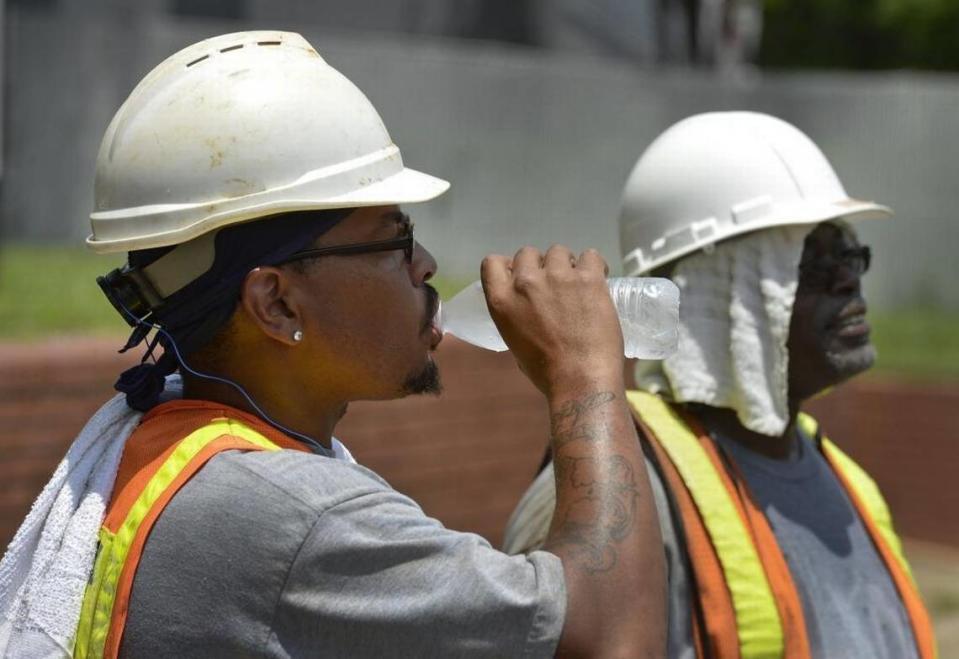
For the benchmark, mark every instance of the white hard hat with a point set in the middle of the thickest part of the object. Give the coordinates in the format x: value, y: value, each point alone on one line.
x: 237, y: 127
x: 717, y: 175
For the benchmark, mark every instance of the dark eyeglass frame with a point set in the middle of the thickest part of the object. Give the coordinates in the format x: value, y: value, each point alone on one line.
x: 405, y: 242
x: 823, y: 274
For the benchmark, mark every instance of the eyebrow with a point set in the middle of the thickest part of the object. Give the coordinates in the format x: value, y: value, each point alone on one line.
x: 391, y: 220
x: 395, y: 216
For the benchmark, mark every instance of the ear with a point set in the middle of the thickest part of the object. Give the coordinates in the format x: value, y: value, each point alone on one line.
x: 265, y: 298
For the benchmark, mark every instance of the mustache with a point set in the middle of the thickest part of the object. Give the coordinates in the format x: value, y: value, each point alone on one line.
x: 432, y: 303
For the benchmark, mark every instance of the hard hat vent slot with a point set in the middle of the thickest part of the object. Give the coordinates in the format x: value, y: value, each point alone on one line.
x: 233, y: 47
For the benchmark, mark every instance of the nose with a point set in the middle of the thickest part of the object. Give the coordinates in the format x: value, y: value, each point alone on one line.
x: 423, y: 266
x: 847, y: 280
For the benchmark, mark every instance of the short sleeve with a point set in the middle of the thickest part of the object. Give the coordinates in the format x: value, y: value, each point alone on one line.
x: 376, y: 577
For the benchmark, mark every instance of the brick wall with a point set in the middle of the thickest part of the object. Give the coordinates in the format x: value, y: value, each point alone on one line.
x: 467, y: 456
x: 907, y: 437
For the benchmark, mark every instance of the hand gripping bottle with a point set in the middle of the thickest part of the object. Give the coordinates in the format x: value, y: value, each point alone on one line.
x: 648, y: 309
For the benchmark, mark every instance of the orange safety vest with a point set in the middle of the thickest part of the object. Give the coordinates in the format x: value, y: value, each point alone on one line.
x: 747, y: 604
x: 172, y: 443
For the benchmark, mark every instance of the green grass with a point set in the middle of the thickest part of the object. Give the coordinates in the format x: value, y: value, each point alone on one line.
x: 53, y: 290
x: 46, y: 291
x: 918, y: 343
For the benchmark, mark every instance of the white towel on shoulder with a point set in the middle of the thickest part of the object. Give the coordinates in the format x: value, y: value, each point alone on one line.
x: 45, y: 571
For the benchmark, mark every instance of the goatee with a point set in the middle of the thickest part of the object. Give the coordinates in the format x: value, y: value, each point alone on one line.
x: 426, y: 381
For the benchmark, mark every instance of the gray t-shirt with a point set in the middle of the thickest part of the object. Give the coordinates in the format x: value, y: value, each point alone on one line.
x: 288, y: 554
x: 850, y: 604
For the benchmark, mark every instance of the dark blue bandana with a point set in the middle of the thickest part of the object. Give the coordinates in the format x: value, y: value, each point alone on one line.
x: 194, y: 314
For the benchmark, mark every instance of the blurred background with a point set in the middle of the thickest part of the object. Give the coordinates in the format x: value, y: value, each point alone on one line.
x: 536, y: 111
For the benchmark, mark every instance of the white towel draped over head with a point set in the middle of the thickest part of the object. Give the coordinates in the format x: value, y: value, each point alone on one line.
x: 736, y: 301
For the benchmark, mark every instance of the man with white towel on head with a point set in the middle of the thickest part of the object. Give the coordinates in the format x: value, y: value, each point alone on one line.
x: 777, y: 543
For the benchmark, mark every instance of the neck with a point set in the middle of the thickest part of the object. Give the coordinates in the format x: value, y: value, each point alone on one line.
x: 316, y: 420
x: 725, y: 421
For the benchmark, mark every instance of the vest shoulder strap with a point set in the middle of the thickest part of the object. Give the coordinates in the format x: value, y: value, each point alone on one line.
x: 106, y: 599
x: 758, y: 624
x: 875, y: 515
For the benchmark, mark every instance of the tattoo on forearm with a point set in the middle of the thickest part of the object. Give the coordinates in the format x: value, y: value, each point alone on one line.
x: 601, y: 511
x: 567, y: 422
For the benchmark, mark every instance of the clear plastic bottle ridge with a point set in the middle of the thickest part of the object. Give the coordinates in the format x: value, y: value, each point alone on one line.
x: 648, y: 309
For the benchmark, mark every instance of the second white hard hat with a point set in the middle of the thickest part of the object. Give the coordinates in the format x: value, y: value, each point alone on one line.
x: 717, y: 175
x: 237, y: 127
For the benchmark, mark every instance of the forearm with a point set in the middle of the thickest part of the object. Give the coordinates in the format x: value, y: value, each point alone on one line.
x: 604, y: 527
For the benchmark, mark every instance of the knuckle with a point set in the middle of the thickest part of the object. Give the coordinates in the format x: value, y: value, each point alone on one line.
x: 493, y: 263
x: 590, y: 269
x: 592, y: 260
x: 527, y: 250
x: 495, y: 300
x: 524, y: 281
x: 562, y: 275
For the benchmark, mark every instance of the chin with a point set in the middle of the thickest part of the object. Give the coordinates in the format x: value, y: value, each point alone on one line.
x: 424, y: 381
x: 849, y: 362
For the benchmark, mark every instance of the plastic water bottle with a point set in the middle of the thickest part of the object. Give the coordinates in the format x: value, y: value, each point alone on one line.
x: 648, y: 309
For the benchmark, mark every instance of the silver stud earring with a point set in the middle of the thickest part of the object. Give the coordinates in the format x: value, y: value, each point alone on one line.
x: 298, y: 336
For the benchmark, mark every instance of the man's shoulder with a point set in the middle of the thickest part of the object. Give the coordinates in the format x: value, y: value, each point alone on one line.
x: 292, y: 479
x: 223, y: 546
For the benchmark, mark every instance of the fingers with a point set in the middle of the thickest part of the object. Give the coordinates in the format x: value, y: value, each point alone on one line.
x: 554, y: 313
x: 591, y: 259
x: 495, y: 272
x: 527, y: 259
x: 559, y: 257
x: 500, y: 270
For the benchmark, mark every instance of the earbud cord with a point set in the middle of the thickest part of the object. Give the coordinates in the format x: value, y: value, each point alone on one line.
x: 215, y: 378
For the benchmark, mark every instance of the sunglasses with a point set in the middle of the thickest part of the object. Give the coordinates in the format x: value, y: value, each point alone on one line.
x: 823, y: 271
x: 404, y: 241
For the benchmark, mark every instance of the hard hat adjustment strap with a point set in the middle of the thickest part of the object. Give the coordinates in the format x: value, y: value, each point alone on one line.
x: 143, y: 290
x: 131, y: 293
x: 178, y: 267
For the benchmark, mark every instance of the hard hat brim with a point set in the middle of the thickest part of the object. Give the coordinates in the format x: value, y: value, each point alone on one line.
x: 407, y: 186
x: 813, y: 213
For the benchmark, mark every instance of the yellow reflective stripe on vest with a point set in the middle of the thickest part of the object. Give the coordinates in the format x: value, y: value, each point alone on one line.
x: 97, y: 609
x: 758, y: 625
x: 866, y: 489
